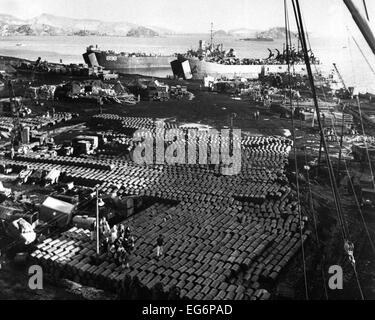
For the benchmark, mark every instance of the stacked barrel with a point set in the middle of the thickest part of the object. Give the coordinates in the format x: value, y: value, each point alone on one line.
x: 35, y: 122
x: 126, y: 124
x: 208, y: 254
x: 226, y: 237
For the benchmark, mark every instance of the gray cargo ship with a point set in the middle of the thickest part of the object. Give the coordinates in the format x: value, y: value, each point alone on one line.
x: 125, y: 62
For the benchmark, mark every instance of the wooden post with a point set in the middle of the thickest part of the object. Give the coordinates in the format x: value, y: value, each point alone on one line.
x: 320, y: 153
x: 341, y: 143
x: 97, y: 223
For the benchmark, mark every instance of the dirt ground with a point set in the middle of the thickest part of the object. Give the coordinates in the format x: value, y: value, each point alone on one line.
x: 216, y: 110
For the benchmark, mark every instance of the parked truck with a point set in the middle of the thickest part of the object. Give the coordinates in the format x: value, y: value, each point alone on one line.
x: 52, y: 177
x: 24, y: 175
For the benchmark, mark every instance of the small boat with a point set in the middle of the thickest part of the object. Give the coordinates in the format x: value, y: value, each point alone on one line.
x: 19, y: 44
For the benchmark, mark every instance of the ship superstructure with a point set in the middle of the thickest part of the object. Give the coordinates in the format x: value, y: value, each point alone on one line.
x: 213, y: 60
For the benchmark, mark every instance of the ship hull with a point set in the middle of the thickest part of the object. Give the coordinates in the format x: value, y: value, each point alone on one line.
x: 256, y: 39
x: 200, y: 69
x: 131, y: 65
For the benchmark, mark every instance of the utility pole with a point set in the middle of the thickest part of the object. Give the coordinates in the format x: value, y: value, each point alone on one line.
x: 97, y: 223
x: 341, y: 141
x: 320, y: 154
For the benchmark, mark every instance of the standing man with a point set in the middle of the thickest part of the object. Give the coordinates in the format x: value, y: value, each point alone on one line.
x: 114, y: 234
x: 100, y: 104
x: 159, y: 245
x: 1, y: 260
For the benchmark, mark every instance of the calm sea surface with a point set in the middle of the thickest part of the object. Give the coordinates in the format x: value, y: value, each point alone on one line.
x: 343, y: 52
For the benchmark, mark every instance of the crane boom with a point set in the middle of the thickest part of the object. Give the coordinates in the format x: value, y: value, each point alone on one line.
x: 340, y: 76
x: 362, y: 23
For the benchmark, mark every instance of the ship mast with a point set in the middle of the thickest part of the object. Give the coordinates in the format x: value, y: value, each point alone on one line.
x: 212, y: 35
x: 362, y: 23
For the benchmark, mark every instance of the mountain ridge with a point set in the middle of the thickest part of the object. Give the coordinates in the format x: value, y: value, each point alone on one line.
x: 48, y: 24
x: 54, y: 25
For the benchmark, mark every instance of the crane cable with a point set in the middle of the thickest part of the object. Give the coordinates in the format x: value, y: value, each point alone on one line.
x: 363, y: 55
x: 332, y: 177
x: 352, y: 187
x: 360, y: 110
x: 301, y: 31
x: 312, y: 208
x: 368, y: 156
x: 321, y: 129
x: 355, y: 195
x: 359, y: 207
x: 365, y: 6
x: 366, y: 144
x: 287, y: 33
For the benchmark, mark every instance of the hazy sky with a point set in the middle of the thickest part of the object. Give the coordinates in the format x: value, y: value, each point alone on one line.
x: 322, y: 16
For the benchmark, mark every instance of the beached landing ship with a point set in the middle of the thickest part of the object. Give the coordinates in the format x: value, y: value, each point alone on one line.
x: 213, y: 61
x: 131, y: 63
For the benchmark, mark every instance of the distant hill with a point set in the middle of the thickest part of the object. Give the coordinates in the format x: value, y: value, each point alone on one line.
x: 161, y: 31
x: 47, y: 24
x: 142, y: 32
x: 221, y: 33
x: 275, y: 33
x: 28, y: 29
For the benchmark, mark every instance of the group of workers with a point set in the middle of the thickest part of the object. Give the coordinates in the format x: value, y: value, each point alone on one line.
x: 349, y: 249
x: 118, y: 242
x: 293, y: 55
x: 217, y: 55
x: 256, y: 115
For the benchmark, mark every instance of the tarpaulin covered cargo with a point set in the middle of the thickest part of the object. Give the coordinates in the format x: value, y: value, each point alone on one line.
x: 52, y: 176
x: 56, y: 212
x: 84, y: 222
x: 21, y: 228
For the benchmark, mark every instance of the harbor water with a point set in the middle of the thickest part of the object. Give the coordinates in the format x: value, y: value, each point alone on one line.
x: 342, y: 51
